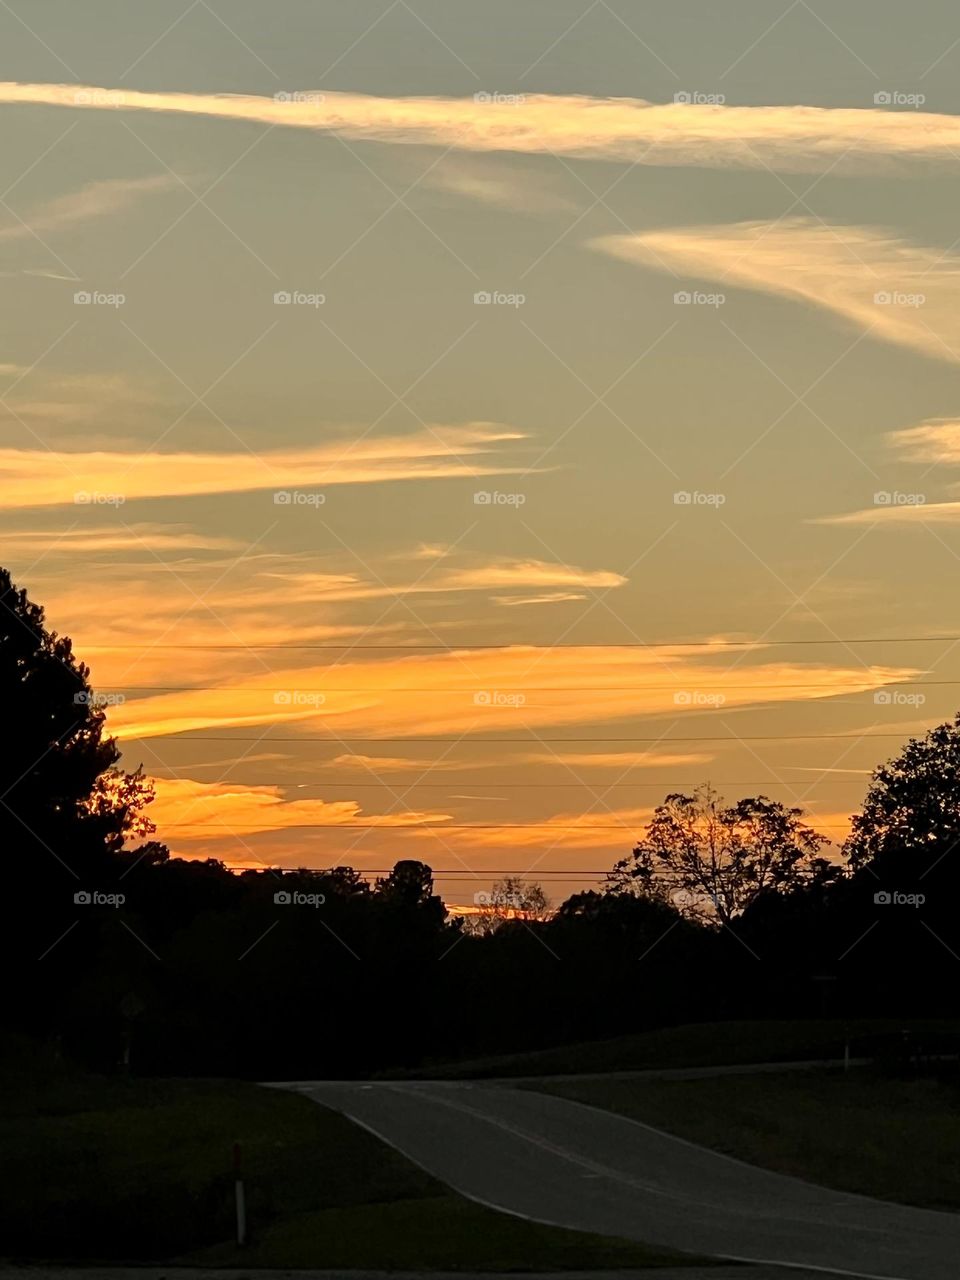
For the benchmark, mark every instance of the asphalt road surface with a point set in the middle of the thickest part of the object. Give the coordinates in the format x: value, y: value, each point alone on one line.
x: 559, y: 1162
x: 41, y: 1271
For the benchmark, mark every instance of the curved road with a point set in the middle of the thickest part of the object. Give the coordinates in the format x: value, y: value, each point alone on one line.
x: 563, y: 1163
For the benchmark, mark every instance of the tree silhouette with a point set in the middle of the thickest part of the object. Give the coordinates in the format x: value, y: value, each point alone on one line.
x: 409, y: 884
x: 511, y: 898
x: 712, y: 860
x: 62, y: 799
x: 913, y: 805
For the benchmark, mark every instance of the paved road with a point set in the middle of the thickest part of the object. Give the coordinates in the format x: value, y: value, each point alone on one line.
x: 632, y: 1073
x: 44, y: 1272
x: 557, y: 1161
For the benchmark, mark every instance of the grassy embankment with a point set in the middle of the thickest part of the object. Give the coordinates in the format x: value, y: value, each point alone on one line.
x: 705, y: 1044
x: 141, y: 1170
x: 881, y: 1136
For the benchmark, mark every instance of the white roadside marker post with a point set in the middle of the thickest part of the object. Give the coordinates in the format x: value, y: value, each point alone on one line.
x: 240, y: 1197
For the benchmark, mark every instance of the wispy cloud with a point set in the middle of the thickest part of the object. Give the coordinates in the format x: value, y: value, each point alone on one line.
x: 904, y: 293
x: 132, y: 539
x: 39, y: 477
x: 796, y: 138
x: 499, y: 186
x: 603, y: 827
x: 620, y: 759
x: 403, y: 764
x: 479, y: 691
x: 902, y: 514
x: 936, y: 444
x: 531, y: 573
x: 175, y: 580
x: 187, y: 811
x: 102, y: 198
x: 549, y: 597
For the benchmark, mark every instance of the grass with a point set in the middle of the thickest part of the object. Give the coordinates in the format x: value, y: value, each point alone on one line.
x: 444, y: 1233
x: 862, y: 1132
x: 125, y: 1170
x: 704, y: 1044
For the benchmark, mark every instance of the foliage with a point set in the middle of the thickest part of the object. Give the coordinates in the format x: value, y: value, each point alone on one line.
x: 511, y: 898
x: 712, y: 860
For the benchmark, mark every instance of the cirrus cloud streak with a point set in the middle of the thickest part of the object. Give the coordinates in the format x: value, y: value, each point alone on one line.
x: 794, y: 138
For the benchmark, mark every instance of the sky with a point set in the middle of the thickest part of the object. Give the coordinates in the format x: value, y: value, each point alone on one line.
x: 445, y: 429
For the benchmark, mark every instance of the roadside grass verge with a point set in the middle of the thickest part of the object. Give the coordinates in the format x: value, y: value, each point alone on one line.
x: 703, y: 1044
x: 135, y: 1170
x: 891, y: 1138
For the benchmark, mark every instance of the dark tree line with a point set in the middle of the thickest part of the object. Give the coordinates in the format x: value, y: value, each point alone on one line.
x: 182, y: 966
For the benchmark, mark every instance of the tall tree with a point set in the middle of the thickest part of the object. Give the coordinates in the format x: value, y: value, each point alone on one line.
x: 409, y: 884
x: 511, y: 898
x: 913, y: 804
x: 711, y: 860
x: 62, y: 798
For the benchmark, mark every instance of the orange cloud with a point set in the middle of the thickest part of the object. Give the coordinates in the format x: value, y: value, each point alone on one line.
x: 601, y: 827
x: 624, y: 760
x: 39, y: 477
x: 480, y: 691
x: 210, y: 590
x: 532, y: 573
x: 187, y: 811
x: 55, y: 543
x: 904, y: 293
x: 936, y: 443
x: 402, y: 764
x: 797, y: 138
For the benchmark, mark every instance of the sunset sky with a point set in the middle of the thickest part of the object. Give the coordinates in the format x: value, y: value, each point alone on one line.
x: 444, y: 445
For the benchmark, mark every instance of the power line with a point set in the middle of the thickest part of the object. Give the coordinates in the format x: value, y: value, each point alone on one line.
x: 413, y: 826
x: 483, y: 873
x: 501, y: 688
x: 535, y: 874
x: 565, y: 783
x: 528, y: 644
x: 403, y: 826
x: 340, y: 740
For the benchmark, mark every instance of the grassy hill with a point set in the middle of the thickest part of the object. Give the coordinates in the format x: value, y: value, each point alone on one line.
x: 126, y: 1170
x: 708, y: 1044
x: 895, y: 1139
